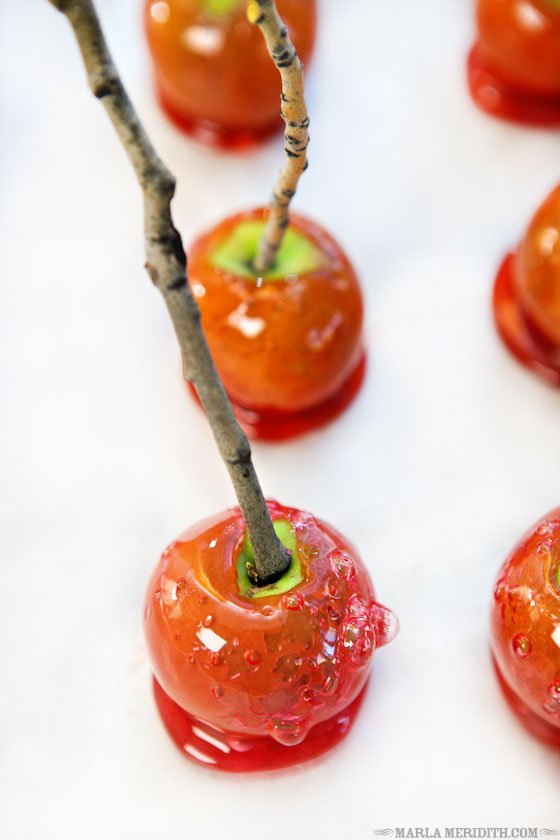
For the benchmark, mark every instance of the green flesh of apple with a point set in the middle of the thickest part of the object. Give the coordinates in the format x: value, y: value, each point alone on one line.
x: 297, y: 254
x: 220, y: 8
x: 289, y: 579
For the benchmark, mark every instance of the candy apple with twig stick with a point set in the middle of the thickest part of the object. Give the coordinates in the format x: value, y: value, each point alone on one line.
x: 281, y: 304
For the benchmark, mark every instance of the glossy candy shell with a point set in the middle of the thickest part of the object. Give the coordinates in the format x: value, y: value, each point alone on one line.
x: 274, y: 666
x: 306, y: 360
x: 525, y: 622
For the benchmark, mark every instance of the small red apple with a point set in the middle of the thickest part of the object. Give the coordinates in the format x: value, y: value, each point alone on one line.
x: 213, y: 72
x: 288, y: 345
x: 527, y: 294
x: 525, y: 624
x: 252, y: 678
x: 514, y: 67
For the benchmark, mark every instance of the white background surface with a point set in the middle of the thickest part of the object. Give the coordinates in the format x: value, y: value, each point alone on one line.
x: 449, y: 454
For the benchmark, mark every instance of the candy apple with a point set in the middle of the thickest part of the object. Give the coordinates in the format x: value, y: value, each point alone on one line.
x: 527, y: 294
x: 250, y: 678
x: 514, y: 67
x: 213, y: 73
x: 525, y: 625
x: 288, y: 344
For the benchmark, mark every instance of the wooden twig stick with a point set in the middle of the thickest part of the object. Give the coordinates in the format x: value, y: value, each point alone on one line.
x: 265, y: 15
x: 167, y: 265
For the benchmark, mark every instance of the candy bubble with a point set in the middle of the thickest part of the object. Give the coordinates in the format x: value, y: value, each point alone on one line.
x: 342, y: 564
x: 552, y: 706
x: 293, y: 601
x: 358, y: 635
x: 330, y: 683
x: 252, y: 657
x: 288, y: 730
x: 522, y: 646
x: 334, y: 589
x: 385, y: 623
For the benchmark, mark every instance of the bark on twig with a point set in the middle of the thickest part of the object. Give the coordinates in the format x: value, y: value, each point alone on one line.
x: 264, y: 14
x: 166, y: 263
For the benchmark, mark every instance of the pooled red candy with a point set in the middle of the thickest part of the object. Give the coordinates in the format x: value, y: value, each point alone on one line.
x: 213, y: 73
x: 525, y: 626
x: 527, y: 294
x: 288, y: 345
x: 514, y: 66
x: 250, y: 678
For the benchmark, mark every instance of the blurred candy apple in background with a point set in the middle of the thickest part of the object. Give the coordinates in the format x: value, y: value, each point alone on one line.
x: 527, y: 294
x: 514, y: 66
x: 213, y: 74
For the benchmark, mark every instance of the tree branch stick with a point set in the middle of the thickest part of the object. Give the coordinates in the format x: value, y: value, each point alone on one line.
x: 166, y: 263
x: 265, y: 15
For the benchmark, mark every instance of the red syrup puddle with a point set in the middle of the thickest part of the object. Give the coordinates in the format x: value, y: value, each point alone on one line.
x: 500, y: 100
x: 284, y: 425
x: 235, y: 753
x: 518, y: 335
x: 545, y: 732
x: 216, y: 135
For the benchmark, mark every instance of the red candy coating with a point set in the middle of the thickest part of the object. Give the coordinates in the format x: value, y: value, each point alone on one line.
x: 271, y: 667
x: 234, y: 753
x: 514, y: 67
x: 525, y: 627
x: 213, y: 73
x: 527, y: 294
